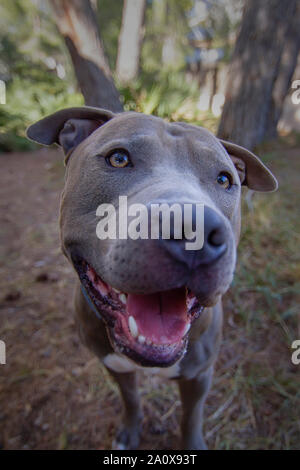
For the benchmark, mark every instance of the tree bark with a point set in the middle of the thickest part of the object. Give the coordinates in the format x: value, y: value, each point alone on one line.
x: 76, y: 22
x: 253, y: 71
x: 130, y: 40
x: 283, y: 81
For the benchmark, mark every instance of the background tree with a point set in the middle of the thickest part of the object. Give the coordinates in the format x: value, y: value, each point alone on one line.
x: 76, y: 21
x: 130, y: 40
x: 255, y: 67
x: 42, y: 76
x: 286, y: 70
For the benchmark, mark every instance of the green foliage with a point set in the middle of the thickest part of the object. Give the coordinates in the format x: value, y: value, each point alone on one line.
x: 31, y: 54
x: 162, y: 96
x: 39, y: 77
x: 28, y: 101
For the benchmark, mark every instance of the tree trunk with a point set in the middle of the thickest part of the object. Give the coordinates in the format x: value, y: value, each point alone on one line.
x: 254, y: 69
x: 130, y: 40
x: 283, y: 81
x: 76, y: 22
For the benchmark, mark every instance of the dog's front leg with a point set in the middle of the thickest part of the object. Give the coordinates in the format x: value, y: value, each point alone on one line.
x: 193, y: 394
x: 128, y: 436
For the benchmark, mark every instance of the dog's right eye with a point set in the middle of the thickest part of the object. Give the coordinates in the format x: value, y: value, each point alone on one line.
x: 118, y: 159
x: 224, y: 179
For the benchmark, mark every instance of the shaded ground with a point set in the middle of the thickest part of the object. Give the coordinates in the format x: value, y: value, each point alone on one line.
x: 55, y: 395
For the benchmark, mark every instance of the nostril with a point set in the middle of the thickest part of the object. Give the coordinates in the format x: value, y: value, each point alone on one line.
x: 216, y: 237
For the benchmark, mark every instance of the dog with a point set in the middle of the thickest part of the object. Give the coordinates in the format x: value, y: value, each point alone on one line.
x: 150, y: 303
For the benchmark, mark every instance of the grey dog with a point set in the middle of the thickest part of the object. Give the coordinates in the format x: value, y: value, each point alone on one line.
x: 150, y: 303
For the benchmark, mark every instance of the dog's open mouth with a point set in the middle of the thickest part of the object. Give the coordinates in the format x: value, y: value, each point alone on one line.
x: 151, y: 329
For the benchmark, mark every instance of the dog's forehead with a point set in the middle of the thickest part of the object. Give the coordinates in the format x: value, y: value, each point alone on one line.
x: 130, y: 126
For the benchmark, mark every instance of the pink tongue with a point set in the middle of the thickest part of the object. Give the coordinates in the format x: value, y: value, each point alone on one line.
x: 160, y: 317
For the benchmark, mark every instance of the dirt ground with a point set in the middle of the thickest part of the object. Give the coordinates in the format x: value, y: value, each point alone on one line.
x: 55, y: 395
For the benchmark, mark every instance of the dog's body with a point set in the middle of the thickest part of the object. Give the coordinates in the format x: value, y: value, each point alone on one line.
x: 156, y: 305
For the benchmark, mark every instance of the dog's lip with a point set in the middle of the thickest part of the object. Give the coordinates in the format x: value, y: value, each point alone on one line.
x: 151, y: 355
x: 128, y: 333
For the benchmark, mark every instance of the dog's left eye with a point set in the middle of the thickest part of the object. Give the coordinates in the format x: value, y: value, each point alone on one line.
x: 118, y: 159
x: 224, y: 180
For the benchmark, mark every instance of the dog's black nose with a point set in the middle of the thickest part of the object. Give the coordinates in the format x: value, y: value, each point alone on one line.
x: 214, y: 237
x: 214, y: 240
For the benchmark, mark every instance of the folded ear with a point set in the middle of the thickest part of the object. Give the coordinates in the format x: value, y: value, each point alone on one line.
x: 252, y: 172
x: 68, y: 127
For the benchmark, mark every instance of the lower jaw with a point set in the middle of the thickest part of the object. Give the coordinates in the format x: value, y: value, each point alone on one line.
x: 148, y: 355
x: 154, y: 356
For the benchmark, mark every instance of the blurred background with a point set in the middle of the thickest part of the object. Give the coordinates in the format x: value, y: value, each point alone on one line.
x: 232, y: 66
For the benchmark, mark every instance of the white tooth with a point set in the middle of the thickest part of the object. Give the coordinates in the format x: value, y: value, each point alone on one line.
x: 141, y: 339
x: 123, y: 299
x: 133, y: 327
x: 186, y: 329
x: 116, y: 290
x: 190, y: 302
x: 148, y: 341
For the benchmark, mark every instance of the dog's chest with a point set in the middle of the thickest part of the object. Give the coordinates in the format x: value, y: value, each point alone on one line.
x: 120, y: 363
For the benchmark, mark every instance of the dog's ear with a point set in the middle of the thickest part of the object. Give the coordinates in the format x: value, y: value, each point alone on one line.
x: 68, y: 127
x: 252, y: 172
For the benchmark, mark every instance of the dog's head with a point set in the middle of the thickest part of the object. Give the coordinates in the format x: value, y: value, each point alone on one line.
x: 149, y: 290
